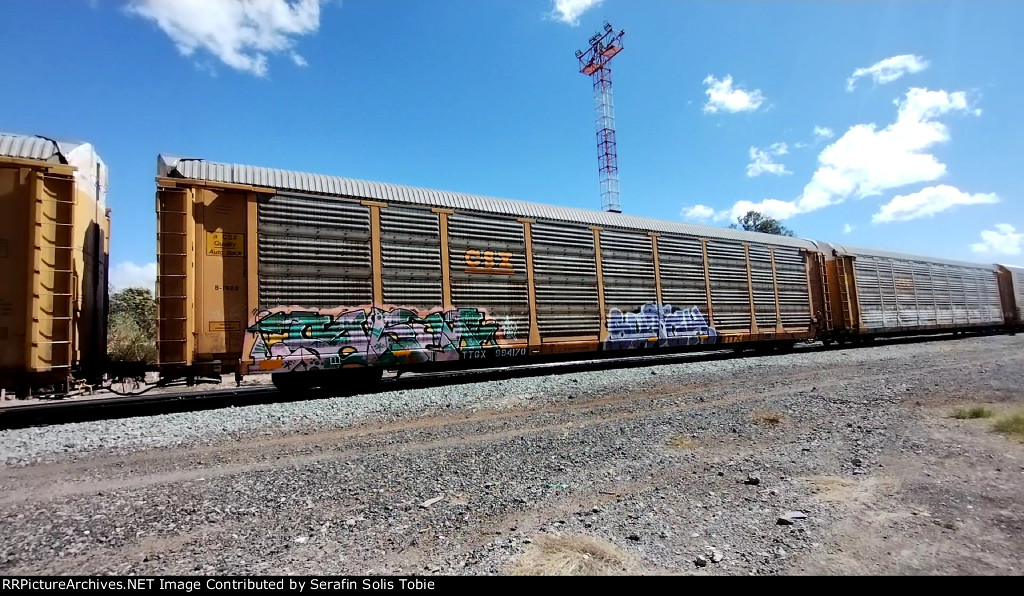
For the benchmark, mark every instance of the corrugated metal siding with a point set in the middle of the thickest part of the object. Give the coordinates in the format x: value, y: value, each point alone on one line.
x: 907, y: 310
x: 941, y: 291
x: 925, y: 294
x: 627, y: 265
x: 730, y: 294
x: 331, y: 185
x: 314, y: 252
x: 990, y: 305
x: 902, y: 294
x: 565, y: 273
x: 411, y: 257
x: 682, y: 272
x: 957, y: 293
x: 492, y: 240
x: 873, y: 303
x: 764, y: 286
x: 32, y: 147
x: 794, y: 293
x: 1017, y: 278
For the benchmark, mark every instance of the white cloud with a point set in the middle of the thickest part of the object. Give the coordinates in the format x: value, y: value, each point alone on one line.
x: 847, y: 228
x: 240, y: 33
x: 888, y: 70
x: 698, y: 212
x: 761, y: 161
x: 1003, y: 240
x: 569, y: 11
x: 866, y: 161
x: 770, y: 207
x: 129, y: 275
x: 821, y: 132
x: 927, y: 202
x: 723, y: 97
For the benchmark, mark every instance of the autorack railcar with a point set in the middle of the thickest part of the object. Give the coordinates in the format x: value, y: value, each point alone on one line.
x: 54, y: 242
x: 322, y: 280
x: 311, y: 277
x: 881, y: 293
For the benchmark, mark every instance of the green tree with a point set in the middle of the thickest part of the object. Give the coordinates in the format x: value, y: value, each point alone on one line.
x: 755, y: 221
x: 131, y: 336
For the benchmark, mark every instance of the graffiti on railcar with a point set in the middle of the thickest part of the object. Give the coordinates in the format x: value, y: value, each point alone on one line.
x: 297, y: 339
x: 510, y: 329
x: 661, y: 325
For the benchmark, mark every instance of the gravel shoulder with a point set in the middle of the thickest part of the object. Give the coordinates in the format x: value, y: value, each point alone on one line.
x: 678, y: 468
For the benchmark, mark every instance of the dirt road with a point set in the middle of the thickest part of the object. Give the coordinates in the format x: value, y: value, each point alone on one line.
x: 680, y: 468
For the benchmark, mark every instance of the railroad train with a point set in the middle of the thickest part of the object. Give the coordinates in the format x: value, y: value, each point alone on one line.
x: 327, y: 281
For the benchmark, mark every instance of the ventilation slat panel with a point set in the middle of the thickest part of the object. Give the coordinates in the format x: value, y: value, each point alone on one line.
x: 314, y: 252
x: 730, y: 291
x: 627, y: 263
x: 565, y: 273
x: 488, y: 271
x: 902, y: 294
x: 411, y: 258
x: 682, y: 272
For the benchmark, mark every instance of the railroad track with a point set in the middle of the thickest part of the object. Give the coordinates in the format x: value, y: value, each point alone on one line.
x: 151, y: 404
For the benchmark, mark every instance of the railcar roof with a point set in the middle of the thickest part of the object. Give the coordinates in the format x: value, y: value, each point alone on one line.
x: 202, y: 170
x: 871, y: 252
x: 35, y: 147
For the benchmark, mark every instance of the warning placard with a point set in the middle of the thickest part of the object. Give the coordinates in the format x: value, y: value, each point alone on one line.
x: 225, y: 326
x: 223, y: 244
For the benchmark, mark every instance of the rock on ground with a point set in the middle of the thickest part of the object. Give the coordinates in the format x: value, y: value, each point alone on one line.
x: 657, y: 462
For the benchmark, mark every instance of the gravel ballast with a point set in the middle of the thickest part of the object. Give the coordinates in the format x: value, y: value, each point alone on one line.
x: 815, y: 462
x: 191, y: 428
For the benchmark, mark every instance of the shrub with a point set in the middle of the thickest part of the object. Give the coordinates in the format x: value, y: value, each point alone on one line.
x: 131, y: 335
x: 1011, y: 425
x: 972, y: 413
x: 571, y: 555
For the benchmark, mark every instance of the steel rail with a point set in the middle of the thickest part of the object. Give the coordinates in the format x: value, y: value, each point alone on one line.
x: 73, y: 410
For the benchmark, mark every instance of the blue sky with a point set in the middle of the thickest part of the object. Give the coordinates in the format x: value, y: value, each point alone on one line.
x: 717, y: 104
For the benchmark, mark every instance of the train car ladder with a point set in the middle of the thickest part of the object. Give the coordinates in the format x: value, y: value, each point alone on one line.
x: 826, y: 296
x: 173, y: 247
x: 52, y: 291
x: 844, y: 292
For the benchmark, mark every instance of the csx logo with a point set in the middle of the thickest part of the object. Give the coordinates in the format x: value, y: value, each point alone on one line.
x: 494, y: 263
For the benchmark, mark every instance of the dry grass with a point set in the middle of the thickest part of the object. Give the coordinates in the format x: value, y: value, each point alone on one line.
x: 772, y: 418
x: 571, y: 554
x: 972, y: 413
x: 682, y: 442
x: 1012, y: 425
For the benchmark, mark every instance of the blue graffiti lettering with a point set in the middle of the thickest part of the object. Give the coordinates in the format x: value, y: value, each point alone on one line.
x: 658, y: 325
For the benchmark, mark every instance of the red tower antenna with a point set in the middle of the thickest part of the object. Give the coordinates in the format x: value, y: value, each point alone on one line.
x: 594, y: 62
